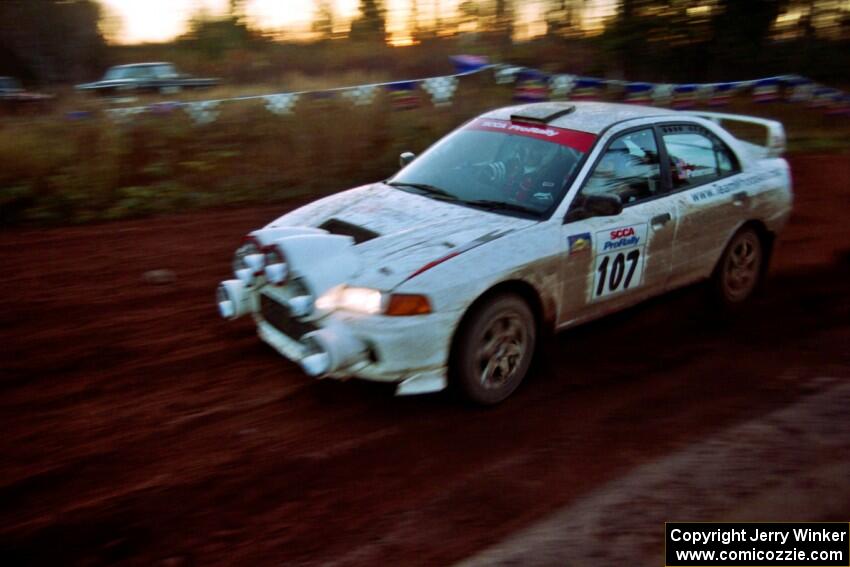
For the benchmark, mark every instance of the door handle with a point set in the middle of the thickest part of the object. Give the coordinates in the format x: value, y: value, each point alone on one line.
x: 740, y: 198
x: 660, y: 220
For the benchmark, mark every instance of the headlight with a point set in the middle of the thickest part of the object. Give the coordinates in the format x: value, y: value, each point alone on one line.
x: 358, y: 299
x: 372, y: 301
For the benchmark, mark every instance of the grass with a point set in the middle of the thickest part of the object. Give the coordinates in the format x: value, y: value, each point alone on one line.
x: 54, y: 170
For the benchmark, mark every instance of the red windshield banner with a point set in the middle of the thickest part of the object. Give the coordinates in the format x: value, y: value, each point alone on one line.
x: 581, y: 141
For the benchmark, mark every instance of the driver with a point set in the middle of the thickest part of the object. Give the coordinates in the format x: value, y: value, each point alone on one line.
x: 534, y: 172
x: 538, y: 179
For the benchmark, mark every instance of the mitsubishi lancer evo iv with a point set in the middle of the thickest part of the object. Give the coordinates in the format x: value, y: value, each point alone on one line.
x: 526, y: 219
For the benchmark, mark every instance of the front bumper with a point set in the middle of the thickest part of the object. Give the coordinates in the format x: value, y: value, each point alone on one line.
x: 409, y: 351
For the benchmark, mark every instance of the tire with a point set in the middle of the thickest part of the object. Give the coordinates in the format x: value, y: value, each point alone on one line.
x: 740, y: 269
x: 494, y: 349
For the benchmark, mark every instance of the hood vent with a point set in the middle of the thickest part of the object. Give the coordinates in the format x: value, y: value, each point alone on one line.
x: 358, y: 233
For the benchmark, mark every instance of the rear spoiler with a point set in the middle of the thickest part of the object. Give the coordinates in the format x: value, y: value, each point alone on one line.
x: 774, y: 144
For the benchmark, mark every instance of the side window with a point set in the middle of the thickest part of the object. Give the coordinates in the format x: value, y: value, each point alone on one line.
x: 165, y: 71
x: 696, y: 156
x: 142, y: 72
x: 628, y: 170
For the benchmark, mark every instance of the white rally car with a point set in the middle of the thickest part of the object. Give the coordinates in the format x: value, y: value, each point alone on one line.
x: 526, y: 219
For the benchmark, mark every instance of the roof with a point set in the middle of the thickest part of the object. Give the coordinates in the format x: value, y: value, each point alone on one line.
x: 591, y: 117
x: 151, y: 64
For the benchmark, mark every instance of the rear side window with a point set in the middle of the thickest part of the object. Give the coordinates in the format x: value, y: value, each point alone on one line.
x: 696, y: 156
x: 165, y: 71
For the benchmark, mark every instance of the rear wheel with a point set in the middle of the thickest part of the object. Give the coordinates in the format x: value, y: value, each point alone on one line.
x: 739, y: 270
x: 494, y: 349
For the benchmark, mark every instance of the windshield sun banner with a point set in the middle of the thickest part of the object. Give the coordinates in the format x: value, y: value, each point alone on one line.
x: 581, y: 141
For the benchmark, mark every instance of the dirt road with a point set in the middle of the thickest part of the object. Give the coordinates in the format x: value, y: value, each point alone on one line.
x: 140, y: 429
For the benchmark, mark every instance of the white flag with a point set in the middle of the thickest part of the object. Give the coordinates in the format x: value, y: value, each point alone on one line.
x: 281, y: 103
x: 202, y: 112
x: 361, y: 95
x: 441, y: 89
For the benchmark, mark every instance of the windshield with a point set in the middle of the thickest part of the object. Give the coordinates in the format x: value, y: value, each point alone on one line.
x: 499, y: 165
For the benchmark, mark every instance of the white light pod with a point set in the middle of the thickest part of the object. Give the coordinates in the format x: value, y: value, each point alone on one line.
x: 316, y: 364
x: 248, y: 261
x: 234, y: 300
x: 301, y: 305
x: 225, y: 306
x: 322, y: 261
x: 277, y: 273
x: 255, y: 262
x: 245, y: 275
x: 341, y: 348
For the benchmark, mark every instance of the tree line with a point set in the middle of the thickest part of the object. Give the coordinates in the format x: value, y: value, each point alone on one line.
x: 49, y: 41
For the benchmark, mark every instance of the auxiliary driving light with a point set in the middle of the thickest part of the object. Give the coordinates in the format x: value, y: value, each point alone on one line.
x: 276, y: 269
x: 255, y: 262
x: 245, y: 275
x: 233, y: 299
x: 225, y: 305
x: 316, y: 364
x: 331, y: 349
x: 301, y: 305
x: 276, y: 273
x: 248, y: 261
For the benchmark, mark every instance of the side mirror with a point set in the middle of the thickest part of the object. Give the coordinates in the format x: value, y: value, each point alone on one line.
x: 406, y: 158
x: 595, y: 206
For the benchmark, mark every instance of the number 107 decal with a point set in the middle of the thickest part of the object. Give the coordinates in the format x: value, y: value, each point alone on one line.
x: 618, y: 272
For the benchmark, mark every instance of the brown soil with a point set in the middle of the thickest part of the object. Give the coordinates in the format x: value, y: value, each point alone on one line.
x: 138, y: 428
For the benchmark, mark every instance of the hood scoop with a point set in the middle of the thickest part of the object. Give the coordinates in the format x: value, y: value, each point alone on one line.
x: 358, y: 233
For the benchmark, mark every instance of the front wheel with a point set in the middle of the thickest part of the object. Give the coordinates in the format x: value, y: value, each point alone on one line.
x: 739, y: 270
x: 494, y: 349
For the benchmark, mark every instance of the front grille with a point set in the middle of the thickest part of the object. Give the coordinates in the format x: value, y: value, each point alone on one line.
x: 278, y: 316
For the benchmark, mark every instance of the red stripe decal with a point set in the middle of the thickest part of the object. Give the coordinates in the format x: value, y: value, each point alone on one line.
x: 459, y: 250
x: 433, y: 263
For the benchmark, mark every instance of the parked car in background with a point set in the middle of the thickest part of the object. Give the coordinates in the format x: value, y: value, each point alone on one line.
x: 13, y: 97
x: 158, y: 77
x: 526, y: 219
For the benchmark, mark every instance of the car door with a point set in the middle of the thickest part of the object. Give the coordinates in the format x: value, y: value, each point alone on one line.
x: 710, y: 200
x: 615, y: 260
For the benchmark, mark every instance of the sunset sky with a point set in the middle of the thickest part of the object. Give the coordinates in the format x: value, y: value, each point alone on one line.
x: 162, y: 20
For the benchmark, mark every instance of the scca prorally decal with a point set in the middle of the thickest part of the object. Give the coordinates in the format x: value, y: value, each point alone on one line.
x: 619, y: 260
x: 619, y: 238
x: 725, y: 187
x: 548, y: 132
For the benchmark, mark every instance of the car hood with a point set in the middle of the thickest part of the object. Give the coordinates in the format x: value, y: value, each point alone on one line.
x: 412, y: 230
